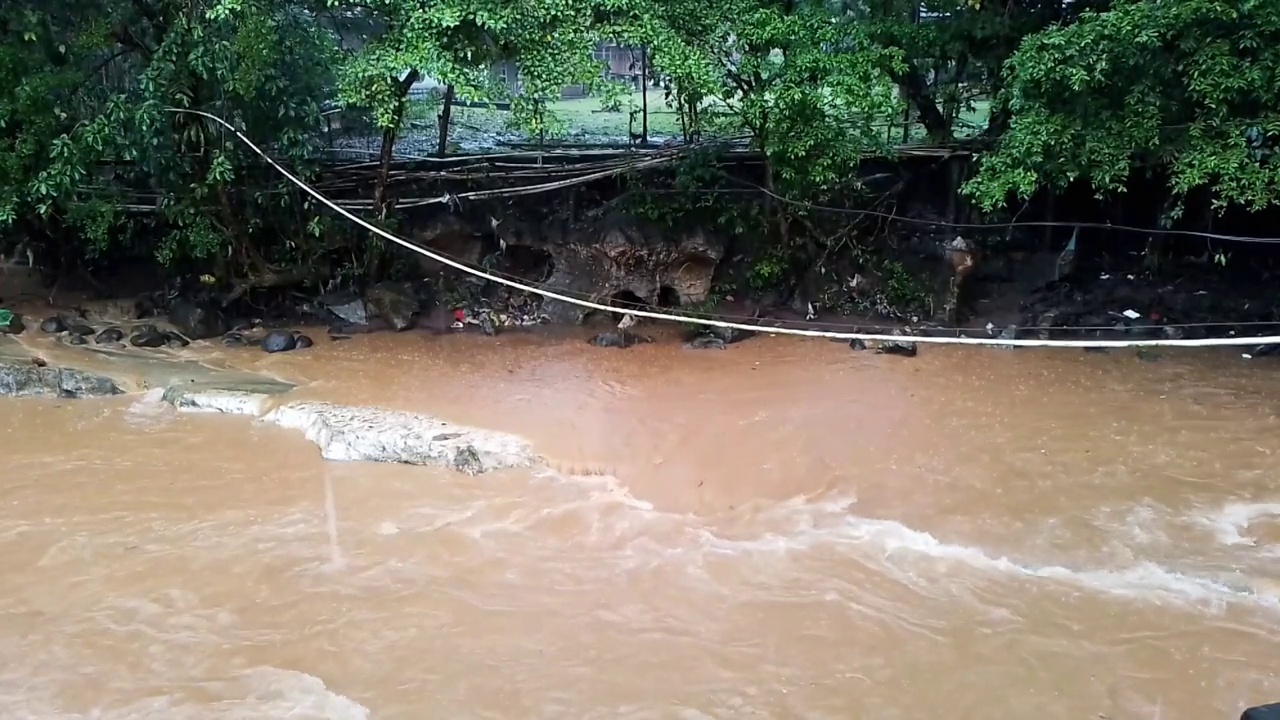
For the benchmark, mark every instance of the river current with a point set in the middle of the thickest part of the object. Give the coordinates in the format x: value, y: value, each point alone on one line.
x: 785, y: 529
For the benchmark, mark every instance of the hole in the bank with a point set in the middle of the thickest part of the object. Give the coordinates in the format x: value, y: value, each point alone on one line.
x: 668, y: 297
x: 528, y: 263
x: 625, y: 299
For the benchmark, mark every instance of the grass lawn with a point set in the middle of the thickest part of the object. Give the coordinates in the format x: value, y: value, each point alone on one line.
x: 583, y: 121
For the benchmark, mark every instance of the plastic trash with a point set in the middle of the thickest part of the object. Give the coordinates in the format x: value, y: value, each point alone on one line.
x: 1131, y: 314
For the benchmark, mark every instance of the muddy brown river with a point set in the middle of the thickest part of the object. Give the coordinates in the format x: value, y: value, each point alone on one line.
x: 782, y: 530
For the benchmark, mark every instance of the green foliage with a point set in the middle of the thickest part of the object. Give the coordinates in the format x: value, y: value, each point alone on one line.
x: 1085, y: 91
x: 808, y: 85
x: 1191, y: 87
x: 82, y: 126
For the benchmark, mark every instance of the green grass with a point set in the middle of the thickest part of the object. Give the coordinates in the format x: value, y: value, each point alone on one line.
x: 585, y: 121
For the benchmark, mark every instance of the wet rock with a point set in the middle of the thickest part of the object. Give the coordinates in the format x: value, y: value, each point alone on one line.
x: 1045, y: 323
x: 80, y: 329
x: 26, y: 378
x: 727, y: 336
x: 620, y: 254
x: 116, y: 310
x: 394, y: 302
x: 348, y: 306
x: 197, y: 320
x: 905, y: 348
x: 147, y: 336
x: 1009, y: 333
x: 857, y: 344
x: 705, y: 342
x: 175, y: 341
x: 53, y: 325
x: 467, y: 461
x: 1265, y: 350
x: 343, y: 328
x: 234, y: 339
x: 355, y: 433
x: 12, y: 325
x: 1174, y: 333
x: 110, y: 335
x: 279, y: 341
x: 487, y: 324
x: 74, y: 340
x: 620, y: 340
x: 303, y: 342
x: 241, y: 325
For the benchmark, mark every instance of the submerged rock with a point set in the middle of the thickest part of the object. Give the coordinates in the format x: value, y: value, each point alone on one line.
x: 147, y: 337
x: 857, y: 344
x: 80, y: 329
x: 705, y: 342
x: 717, y: 337
x: 110, y: 335
x: 355, y: 433
x: 234, y: 339
x: 905, y: 348
x: 303, y: 342
x: 27, y: 378
x: 175, y: 340
x: 74, y: 340
x: 1009, y: 333
x: 279, y: 341
x: 620, y: 340
x: 53, y: 325
x: 197, y: 320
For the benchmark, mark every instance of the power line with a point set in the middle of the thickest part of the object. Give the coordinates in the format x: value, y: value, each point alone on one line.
x: 1006, y: 225
x: 925, y: 339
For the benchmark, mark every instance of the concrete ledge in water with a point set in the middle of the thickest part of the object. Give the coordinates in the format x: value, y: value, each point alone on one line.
x: 357, y: 433
x: 251, y: 398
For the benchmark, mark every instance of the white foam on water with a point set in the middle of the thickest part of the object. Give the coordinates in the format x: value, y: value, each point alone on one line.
x: 1229, y: 521
x: 611, y: 520
x: 149, y: 409
x: 262, y: 693
x: 894, y: 545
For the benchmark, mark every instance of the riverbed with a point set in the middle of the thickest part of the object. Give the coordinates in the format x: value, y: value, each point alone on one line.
x: 785, y: 529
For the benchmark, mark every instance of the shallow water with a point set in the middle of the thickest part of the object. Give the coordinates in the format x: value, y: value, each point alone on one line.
x: 781, y: 530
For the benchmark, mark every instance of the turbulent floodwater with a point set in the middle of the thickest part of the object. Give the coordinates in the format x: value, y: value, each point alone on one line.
x: 781, y: 530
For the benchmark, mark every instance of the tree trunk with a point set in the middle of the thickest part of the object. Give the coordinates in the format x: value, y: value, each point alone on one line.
x: 375, y: 262
x: 644, y: 95
x: 446, y: 110
x: 917, y: 91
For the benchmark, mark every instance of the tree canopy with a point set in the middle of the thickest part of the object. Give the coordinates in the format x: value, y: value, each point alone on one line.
x: 1049, y: 92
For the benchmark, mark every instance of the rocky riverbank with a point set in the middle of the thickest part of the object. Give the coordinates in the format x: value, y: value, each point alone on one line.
x: 341, y: 432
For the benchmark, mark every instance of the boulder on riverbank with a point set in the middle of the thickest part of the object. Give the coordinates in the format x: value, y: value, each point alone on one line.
x: 25, y: 378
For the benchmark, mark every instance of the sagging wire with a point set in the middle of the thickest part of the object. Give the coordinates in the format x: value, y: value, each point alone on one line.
x: 707, y: 322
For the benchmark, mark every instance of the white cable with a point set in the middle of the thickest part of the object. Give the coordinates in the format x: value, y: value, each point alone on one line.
x: 990, y: 342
